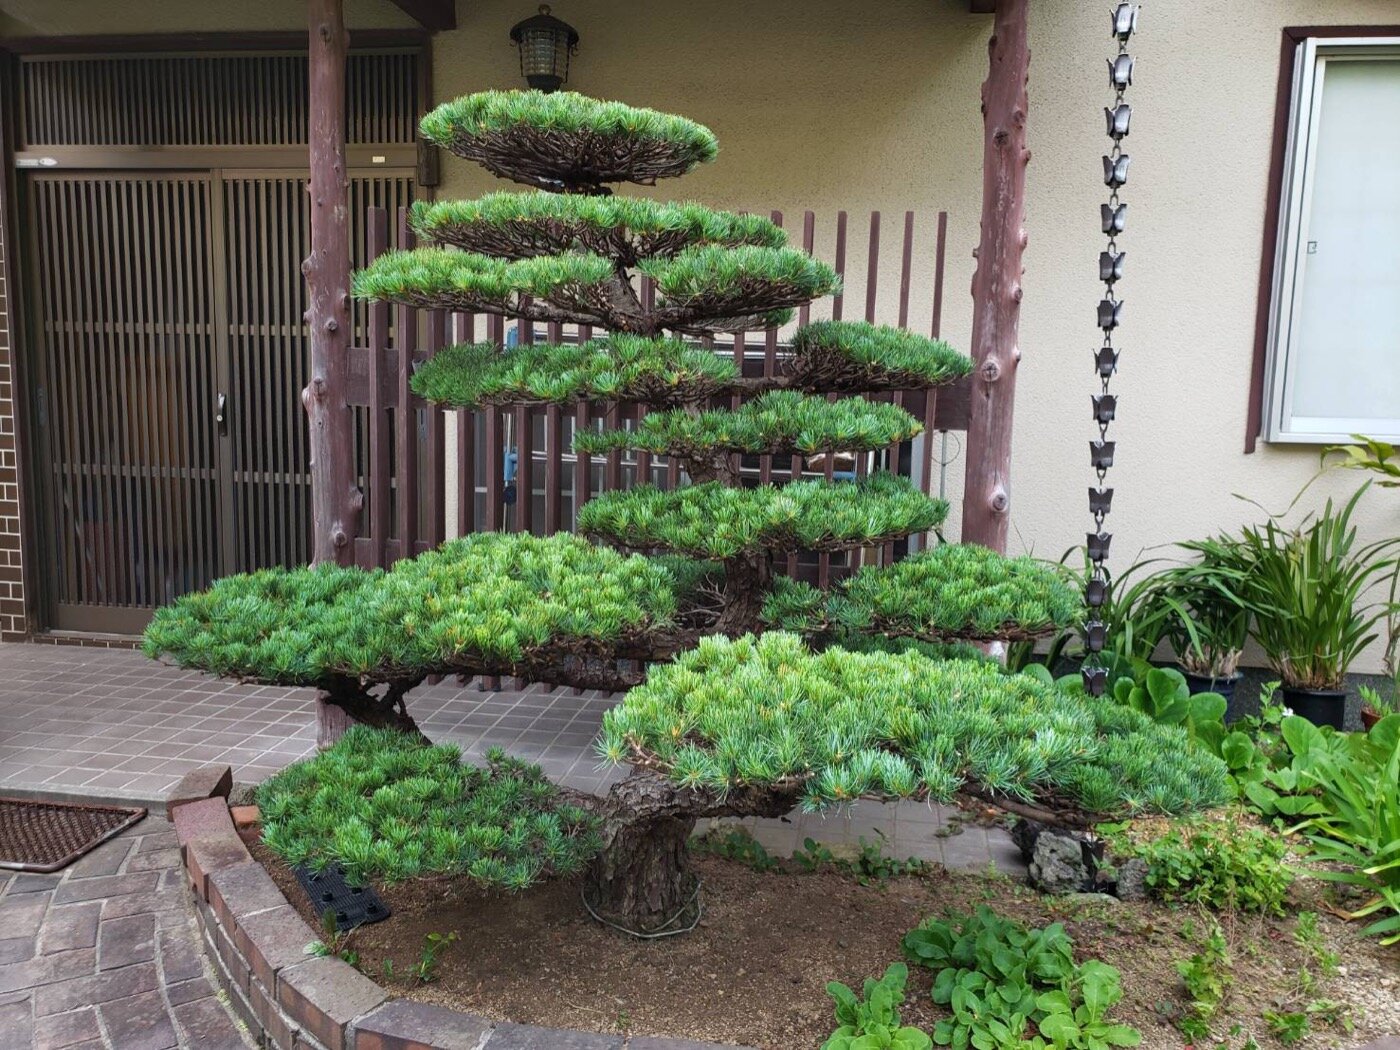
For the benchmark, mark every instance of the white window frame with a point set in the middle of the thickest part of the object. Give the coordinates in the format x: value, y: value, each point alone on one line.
x: 1300, y: 159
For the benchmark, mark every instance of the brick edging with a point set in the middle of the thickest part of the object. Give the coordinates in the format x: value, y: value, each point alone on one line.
x: 255, y: 941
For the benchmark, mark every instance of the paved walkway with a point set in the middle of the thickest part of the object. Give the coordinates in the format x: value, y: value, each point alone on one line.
x: 110, y: 724
x: 105, y: 954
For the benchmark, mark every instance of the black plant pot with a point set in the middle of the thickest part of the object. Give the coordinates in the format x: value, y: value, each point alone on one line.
x: 1321, y: 707
x: 1201, y: 683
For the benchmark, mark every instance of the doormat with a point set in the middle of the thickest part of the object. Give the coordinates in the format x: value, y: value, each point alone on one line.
x: 47, y: 836
x: 330, y: 894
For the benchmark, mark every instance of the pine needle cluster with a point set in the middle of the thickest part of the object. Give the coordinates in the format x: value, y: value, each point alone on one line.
x: 780, y: 422
x: 455, y: 280
x: 385, y: 806
x: 483, y: 601
x: 858, y: 355
x: 715, y: 521
x: 836, y: 726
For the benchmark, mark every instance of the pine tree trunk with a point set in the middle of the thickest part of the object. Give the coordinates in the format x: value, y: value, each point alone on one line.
x: 346, y: 703
x: 747, y: 581
x: 996, y: 286
x: 335, y: 498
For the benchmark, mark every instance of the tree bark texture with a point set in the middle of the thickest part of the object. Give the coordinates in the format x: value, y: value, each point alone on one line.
x: 996, y: 285
x: 642, y: 877
x: 335, y: 498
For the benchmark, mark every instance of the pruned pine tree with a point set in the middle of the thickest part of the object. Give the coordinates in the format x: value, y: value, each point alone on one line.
x: 736, y: 726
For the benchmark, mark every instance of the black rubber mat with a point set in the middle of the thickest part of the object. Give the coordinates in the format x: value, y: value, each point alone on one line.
x: 328, y: 891
x: 47, y: 836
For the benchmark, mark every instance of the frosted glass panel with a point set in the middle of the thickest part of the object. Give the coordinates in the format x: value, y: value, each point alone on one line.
x: 1346, y: 342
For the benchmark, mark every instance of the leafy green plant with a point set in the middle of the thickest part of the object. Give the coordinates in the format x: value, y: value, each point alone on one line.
x: 812, y: 855
x: 1206, y: 618
x: 1225, y: 867
x: 434, y: 944
x: 1001, y: 980
x: 1207, y: 976
x: 1288, y: 1026
x: 737, y: 844
x: 1378, y: 457
x: 1163, y: 695
x: 384, y: 805
x: 874, y: 1022
x: 333, y: 943
x: 1306, y: 588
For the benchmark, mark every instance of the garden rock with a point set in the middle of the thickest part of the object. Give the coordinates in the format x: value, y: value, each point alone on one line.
x: 1132, y: 880
x: 1057, y: 864
x: 1024, y: 834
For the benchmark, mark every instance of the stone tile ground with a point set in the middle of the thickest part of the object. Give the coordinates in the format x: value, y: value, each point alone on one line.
x: 109, y: 723
x: 105, y: 954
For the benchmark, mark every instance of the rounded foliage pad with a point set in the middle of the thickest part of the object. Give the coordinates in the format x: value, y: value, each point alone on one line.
x: 715, y: 521
x: 780, y: 422
x: 568, y: 142
x: 624, y: 229
x: 858, y: 355
x: 835, y: 726
x: 959, y: 590
x: 656, y: 372
x: 490, y: 600
x: 385, y: 806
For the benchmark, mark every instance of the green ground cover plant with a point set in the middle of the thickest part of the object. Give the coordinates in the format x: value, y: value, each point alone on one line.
x: 1226, y: 867
x: 871, y: 1022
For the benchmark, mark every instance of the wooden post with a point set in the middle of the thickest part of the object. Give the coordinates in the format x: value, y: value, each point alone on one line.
x: 335, y: 498
x: 996, y: 286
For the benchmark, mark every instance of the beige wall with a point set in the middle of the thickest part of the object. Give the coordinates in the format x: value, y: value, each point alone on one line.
x: 828, y: 104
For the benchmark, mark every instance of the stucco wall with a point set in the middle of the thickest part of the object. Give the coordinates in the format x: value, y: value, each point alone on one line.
x: 826, y: 104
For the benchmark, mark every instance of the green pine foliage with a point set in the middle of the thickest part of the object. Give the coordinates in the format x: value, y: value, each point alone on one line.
x: 462, y: 123
x: 455, y: 280
x: 780, y: 422
x: 487, y: 600
x: 714, y: 281
x: 518, y: 225
x: 387, y: 807
x: 621, y: 367
x: 715, y: 521
x: 857, y: 355
x: 955, y: 590
x: 836, y: 726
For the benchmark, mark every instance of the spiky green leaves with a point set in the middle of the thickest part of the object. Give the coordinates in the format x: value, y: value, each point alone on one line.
x: 625, y: 229
x: 621, y: 367
x: 958, y: 591
x: 857, y: 355
x: 734, y: 288
x: 837, y: 726
x: 385, y: 806
x: 780, y: 422
x: 444, y: 278
x: 568, y: 142
x: 713, y: 521
x: 476, y: 605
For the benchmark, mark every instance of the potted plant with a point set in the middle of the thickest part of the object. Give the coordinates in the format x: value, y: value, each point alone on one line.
x: 1307, y: 591
x: 1206, y: 620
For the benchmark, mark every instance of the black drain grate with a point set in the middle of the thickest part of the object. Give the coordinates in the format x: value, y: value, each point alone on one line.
x: 47, y: 836
x: 329, y: 892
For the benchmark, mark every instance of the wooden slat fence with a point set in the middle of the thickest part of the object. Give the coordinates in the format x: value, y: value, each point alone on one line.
x: 516, y: 468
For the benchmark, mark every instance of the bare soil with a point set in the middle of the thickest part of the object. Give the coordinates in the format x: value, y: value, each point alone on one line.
x: 754, y: 972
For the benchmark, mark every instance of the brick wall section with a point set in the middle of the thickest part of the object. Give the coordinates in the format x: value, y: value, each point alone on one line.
x: 13, y: 624
x: 254, y: 941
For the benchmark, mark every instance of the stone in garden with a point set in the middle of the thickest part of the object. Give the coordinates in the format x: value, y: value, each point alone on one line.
x: 1132, y: 880
x: 1024, y: 833
x: 1057, y: 864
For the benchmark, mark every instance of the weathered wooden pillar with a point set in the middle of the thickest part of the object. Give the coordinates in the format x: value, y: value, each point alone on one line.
x: 335, y: 498
x: 996, y: 286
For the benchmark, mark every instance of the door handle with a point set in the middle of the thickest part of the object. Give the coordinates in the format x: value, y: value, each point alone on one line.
x: 221, y: 414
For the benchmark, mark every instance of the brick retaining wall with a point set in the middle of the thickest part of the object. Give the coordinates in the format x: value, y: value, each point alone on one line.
x: 255, y: 939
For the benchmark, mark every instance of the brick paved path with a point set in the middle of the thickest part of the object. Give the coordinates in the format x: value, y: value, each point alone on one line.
x: 105, y: 954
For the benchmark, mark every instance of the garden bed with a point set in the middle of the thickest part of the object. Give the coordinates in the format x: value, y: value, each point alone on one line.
x: 755, y: 970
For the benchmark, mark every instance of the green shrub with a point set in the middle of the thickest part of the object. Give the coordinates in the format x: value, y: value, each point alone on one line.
x: 874, y: 1023
x: 452, y: 279
x: 1207, y: 977
x: 1000, y: 979
x: 857, y: 355
x: 1226, y: 867
x: 835, y: 726
x: 386, y: 806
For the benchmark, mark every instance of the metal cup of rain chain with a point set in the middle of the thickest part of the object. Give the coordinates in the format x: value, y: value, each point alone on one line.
x: 1095, y: 635
x: 1100, y: 501
x: 1105, y: 405
x: 1098, y: 544
x: 1106, y: 358
x: 1111, y: 266
x: 1114, y: 220
x: 1101, y: 454
x: 1119, y: 119
x: 1095, y: 593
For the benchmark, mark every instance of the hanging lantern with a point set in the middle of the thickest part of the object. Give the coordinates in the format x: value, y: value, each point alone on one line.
x: 545, y: 45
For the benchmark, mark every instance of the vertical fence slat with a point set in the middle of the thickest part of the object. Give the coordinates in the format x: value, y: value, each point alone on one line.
x: 463, y: 331
x: 405, y: 343
x: 435, y: 452
x: 554, y: 455
x: 524, y: 449
x: 897, y: 397
x: 377, y: 231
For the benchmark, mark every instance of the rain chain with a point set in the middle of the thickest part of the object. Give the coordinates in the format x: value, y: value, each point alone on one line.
x: 1114, y: 220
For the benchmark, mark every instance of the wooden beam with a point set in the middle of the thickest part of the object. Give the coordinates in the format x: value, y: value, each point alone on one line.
x: 126, y: 43
x: 996, y: 286
x: 433, y: 15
